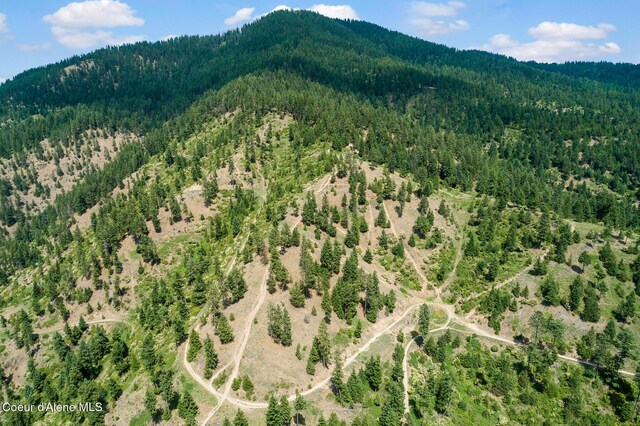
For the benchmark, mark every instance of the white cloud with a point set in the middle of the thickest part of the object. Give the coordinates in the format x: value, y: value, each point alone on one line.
x: 94, y: 14
x: 86, y: 39
x: 424, y: 8
x: 423, y: 14
x: 430, y: 27
x: 5, y: 32
x: 338, y: 11
x: 2, y: 80
x: 79, y: 25
x: 4, y: 27
x: 242, y: 15
x: 34, y: 47
x: 556, y: 42
x: 563, y: 31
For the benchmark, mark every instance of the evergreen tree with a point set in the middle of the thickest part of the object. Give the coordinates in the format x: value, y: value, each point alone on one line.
x: 627, y: 308
x: 372, y: 300
x: 148, y: 354
x: 194, y: 346
x: 187, y: 408
x: 443, y: 394
x: 224, y: 330
x: 591, y: 310
x: 210, y: 358
x: 576, y: 291
x: 357, y: 330
x: 423, y: 225
x: 210, y: 190
x: 240, y: 419
x: 327, y: 304
x: 150, y: 403
x: 381, y: 220
x: 550, y: 290
x: 544, y: 228
x: 296, y: 296
x: 299, y: 404
x: 337, y: 380
x: 424, y: 318
x: 373, y: 372
x: 309, y: 209
x: 368, y: 256
x: 584, y: 259
x: 353, y: 237
x: 398, y: 250
x: 284, y: 409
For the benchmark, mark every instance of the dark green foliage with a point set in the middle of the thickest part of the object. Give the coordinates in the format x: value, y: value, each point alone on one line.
x: 320, y: 349
x: 279, y: 327
x: 147, y: 353
x: 591, y: 309
x: 297, y: 295
x: 223, y: 329
x: 550, y: 291
x: 576, y: 291
x: 194, y: 346
x: 424, y: 318
x: 210, y: 358
x: 626, y: 310
x: 187, y: 408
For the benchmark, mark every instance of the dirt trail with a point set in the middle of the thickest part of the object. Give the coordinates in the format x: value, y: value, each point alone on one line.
x: 451, y: 316
x: 405, y: 366
x: 507, y: 281
x: 237, y: 358
x: 447, y: 282
x: 324, y: 185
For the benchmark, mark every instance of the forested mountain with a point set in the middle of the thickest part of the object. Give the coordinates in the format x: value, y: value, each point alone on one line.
x: 238, y: 226
x: 624, y: 75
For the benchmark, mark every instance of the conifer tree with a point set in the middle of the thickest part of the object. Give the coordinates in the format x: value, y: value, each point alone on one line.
x: 424, y: 318
x: 210, y: 190
x: 210, y: 358
x: 353, y: 236
x: 150, y: 403
x: 368, y: 256
x: 576, y: 291
x: 337, y: 379
x: 223, y: 329
x: 194, y: 346
x: 591, y: 310
x: 296, y: 295
x: 584, y: 259
x: 299, y: 404
x: 240, y: 419
x: 148, y: 354
x: 187, y: 408
x: 381, y: 220
x: 373, y: 372
x: 327, y: 304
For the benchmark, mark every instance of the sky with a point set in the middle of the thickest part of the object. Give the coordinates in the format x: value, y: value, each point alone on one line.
x: 39, y: 32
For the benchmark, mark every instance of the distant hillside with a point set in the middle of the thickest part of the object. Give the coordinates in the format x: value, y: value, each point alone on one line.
x: 624, y: 75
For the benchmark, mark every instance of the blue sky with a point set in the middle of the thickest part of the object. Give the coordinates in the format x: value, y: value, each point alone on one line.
x: 38, y: 32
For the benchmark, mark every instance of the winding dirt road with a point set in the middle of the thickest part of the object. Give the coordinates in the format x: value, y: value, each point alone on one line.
x: 437, y: 303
